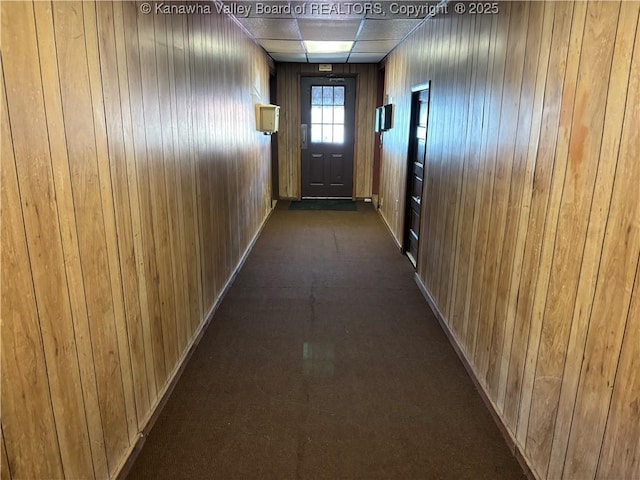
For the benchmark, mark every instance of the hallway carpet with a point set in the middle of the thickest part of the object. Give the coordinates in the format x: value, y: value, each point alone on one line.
x: 328, y: 204
x: 325, y: 362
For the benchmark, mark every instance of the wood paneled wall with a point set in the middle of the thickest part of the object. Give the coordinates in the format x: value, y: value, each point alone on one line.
x: 530, y: 232
x: 133, y: 182
x: 288, y: 95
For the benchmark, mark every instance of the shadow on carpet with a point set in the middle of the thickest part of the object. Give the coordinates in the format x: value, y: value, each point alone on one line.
x: 336, y: 205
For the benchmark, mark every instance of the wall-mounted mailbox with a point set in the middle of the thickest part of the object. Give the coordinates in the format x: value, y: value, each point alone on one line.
x: 384, y: 118
x: 267, y: 118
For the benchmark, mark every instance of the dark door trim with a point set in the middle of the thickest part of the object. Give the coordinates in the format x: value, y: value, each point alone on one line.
x: 416, y: 167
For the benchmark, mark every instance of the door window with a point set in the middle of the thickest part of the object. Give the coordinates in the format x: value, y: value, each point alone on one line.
x: 327, y: 114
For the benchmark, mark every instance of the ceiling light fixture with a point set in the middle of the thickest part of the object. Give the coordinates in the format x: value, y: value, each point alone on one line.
x: 317, y: 46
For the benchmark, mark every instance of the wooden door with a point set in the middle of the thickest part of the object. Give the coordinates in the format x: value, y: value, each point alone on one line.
x: 327, y: 136
x: 415, y: 171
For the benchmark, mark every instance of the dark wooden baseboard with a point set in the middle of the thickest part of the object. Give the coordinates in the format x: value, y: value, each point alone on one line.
x: 386, y: 224
x: 508, y: 437
x: 123, y: 470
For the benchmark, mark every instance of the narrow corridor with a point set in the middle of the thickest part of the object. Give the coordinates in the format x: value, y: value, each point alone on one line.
x: 324, y: 361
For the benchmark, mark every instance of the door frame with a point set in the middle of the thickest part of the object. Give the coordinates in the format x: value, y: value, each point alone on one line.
x: 413, y: 122
x: 355, y: 129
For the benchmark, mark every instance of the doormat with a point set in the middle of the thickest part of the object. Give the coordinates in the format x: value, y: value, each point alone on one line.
x: 336, y: 205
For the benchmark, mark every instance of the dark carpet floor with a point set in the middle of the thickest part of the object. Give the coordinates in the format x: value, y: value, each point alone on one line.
x: 325, y: 362
x: 329, y: 204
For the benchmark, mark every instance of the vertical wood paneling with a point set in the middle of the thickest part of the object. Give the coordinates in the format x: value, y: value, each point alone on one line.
x: 429, y: 213
x: 495, y: 252
x: 187, y: 181
x: 465, y: 238
x: 520, y: 178
x: 124, y: 206
x: 533, y: 230
x: 106, y: 197
x: 436, y: 167
x: 86, y: 186
x: 618, y: 266
x: 288, y: 94
x: 5, y: 469
x: 529, y: 236
x: 484, y: 198
x: 193, y: 126
x: 543, y: 272
x: 393, y: 171
x: 68, y: 225
x: 206, y: 226
x: 509, y: 388
x: 569, y: 234
x: 467, y: 50
x: 129, y: 77
x: 618, y: 457
x: 20, y: 327
x: 609, y: 155
x: 141, y: 339
x: 111, y: 151
x: 170, y: 218
x: 450, y: 164
x: 165, y: 322
x: 41, y: 215
x: 178, y: 225
x: 366, y: 97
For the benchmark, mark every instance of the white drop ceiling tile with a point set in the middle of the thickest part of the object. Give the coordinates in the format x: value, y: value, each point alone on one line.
x: 366, y: 57
x: 328, y: 57
x: 372, y: 46
x: 328, y: 30
x: 271, y: 28
x: 282, y: 46
x: 386, y: 29
x: 289, y: 57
